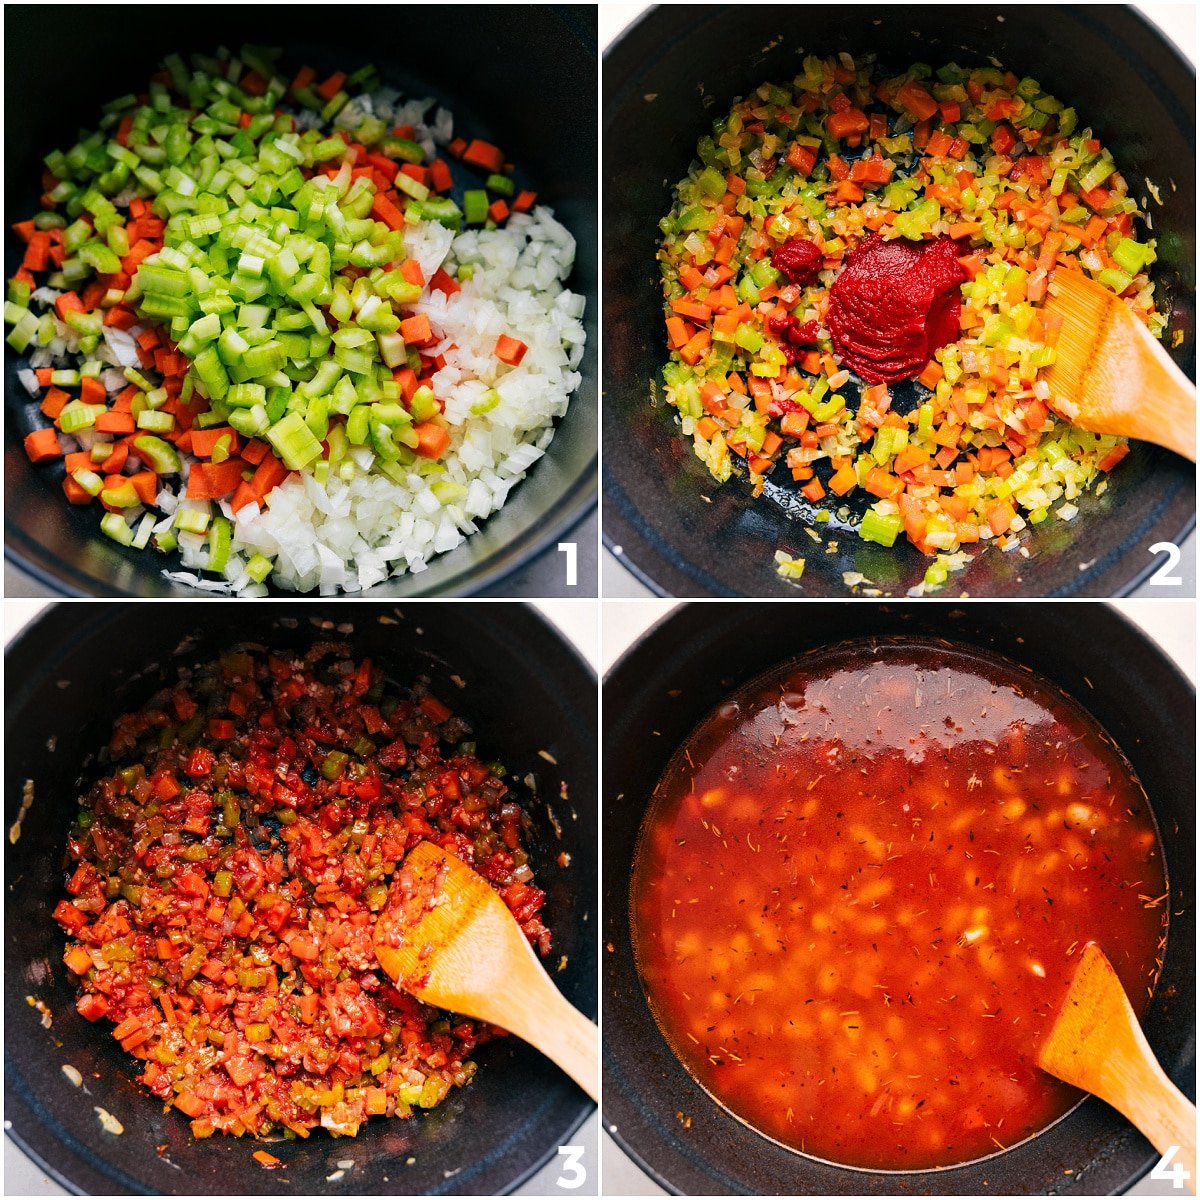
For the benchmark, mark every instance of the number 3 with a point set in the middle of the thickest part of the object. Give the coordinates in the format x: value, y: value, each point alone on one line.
x: 574, y: 1173
x: 1163, y: 577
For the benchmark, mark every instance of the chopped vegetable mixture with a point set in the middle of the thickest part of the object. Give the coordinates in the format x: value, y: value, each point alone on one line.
x: 217, y: 294
x: 226, y: 878
x: 794, y: 184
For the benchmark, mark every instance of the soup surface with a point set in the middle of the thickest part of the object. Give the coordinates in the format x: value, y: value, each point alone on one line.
x: 862, y: 889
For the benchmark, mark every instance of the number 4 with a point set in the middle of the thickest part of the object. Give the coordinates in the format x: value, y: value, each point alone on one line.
x: 1177, y: 1173
x: 575, y: 1174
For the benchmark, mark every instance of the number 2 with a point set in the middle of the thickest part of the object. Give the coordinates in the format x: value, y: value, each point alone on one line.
x: 1163, y: 577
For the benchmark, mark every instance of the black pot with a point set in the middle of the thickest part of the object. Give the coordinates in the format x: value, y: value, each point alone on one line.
x: 493, y: 66
x: 687, y: 664
x: 67, y: 682
x: 665, y: 80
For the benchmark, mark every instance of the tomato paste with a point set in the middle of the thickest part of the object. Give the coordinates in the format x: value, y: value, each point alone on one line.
x: 799, y: 260
x: 893, y: 305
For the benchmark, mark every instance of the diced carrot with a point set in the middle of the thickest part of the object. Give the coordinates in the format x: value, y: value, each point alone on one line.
x: 145, y: 483
x: 871, y: 170
x: 696, y: 347
x: 243, y: 495
x: 204, y: 441
x: 331, y: 86
x: 269, y: 475
x: 509, y: 350
x: 304, y: 78
x: 485, y: 155
x: 499, y: 211
x: 212, y: 481
x: 417, y: 172
x: 1000, y: 517
x: 119, y: 423
x: 254, y: 451
x: 432, y: 440
x: 387, y: 212
x: 190, y: 1104
x: 68, y: 302
x: 78, y: 960
x: 843, y: 480
x: 883, y: 484
x: 524, y: 201
x: 932, y: 374
x: 691, y: 309
x: 120, y: 317
x: 416, y: 331
x: 440, y: 178
x: 1113, y: 457
x: 53, y: 402
x: 848, y: 192
x: 442, y: 282
x: 677, y: 332
x: 845, y: 124
x: 91, y: 391
x: 42, y: 444
x: 917, y: 100
x: 411, y: 270
x: 406, y: 377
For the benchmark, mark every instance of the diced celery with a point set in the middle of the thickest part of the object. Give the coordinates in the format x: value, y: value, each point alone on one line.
x: 294, y: 442
x: 220, y: 543
x: 882, y: 528
x: 116, y: 527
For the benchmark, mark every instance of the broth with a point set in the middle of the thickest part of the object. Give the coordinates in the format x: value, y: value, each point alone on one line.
x: 860, y: 893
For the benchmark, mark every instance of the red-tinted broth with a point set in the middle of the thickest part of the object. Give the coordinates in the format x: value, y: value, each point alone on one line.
x: 861, y: 891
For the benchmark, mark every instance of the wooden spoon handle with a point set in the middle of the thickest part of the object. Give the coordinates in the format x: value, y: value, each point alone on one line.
x: 1167, y: 1118
x: 547, y: 1021
x: 1167, y: 405
x: 1136, y: 1085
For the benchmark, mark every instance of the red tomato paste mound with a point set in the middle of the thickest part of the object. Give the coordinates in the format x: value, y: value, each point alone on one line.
x: 799, y: 260
x: 893, y: 305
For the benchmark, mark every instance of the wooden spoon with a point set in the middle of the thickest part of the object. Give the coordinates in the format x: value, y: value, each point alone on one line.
x: 1111, y: 374
x: 1097, y: 1044
x: 454, y: 944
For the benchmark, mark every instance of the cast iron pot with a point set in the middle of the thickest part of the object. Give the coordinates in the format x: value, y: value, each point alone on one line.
x: 686, y: 665
x: 493, y: 66
x: 77, y: 668
x: 679, y: 67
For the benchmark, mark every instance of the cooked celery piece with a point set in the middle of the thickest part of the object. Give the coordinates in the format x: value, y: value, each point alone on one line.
x: 220, y: 543
x: 259, y: 567
x: 117, y: 528
x: 191, y: 520
x: 880, y: 527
